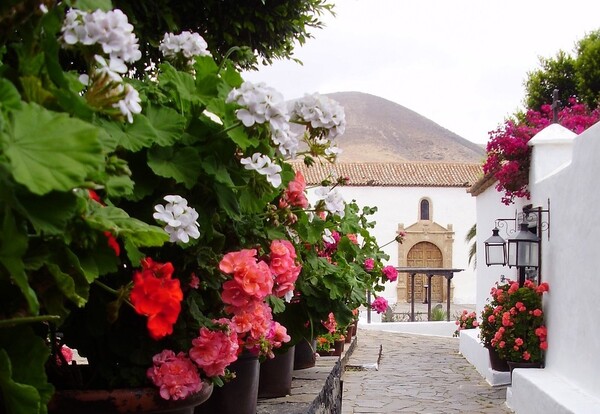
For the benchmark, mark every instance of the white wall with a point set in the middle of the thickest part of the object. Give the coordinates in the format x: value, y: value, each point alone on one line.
x: 489, y: 209
x: 570, y: 264
x: 570, y: 382
x: 401, y: 205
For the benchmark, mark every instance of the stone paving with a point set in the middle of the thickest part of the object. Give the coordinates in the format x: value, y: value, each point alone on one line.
x: 416, y: 374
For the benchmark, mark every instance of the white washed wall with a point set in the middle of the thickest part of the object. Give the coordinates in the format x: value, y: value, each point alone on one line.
x: 570, y: 382
x: 401, y: 205
x: 490, y: 208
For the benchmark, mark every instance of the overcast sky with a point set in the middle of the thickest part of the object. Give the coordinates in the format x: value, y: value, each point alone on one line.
x: 460, y: 63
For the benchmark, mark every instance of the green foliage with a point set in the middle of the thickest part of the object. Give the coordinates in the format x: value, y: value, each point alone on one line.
x: 554, y: 73
x: 267, y: 30
x: 587, y: 69
x: 576, y: 75
x: 80, y: 181
x: 438, y: 314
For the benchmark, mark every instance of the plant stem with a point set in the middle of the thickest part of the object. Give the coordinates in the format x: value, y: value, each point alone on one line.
x: 107, y: 288
x: 5, y: 323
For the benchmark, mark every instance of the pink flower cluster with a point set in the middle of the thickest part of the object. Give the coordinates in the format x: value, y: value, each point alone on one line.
x: 380, y: 305
x: 390, y: 273
x: 283, y: 266
x: 175, y: 375
x: 214, y: 350
x: 330, y: 324
x: 252, y: 282
x: 295, y: 195
x: 509, y: 156
x: 369, y: 264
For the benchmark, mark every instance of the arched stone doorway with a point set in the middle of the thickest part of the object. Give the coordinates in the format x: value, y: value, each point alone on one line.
x: 432, y: 244
x: 425, y: 254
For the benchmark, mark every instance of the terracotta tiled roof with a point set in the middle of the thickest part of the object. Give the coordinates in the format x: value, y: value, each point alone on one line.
x: 482, y: 184
x: 409, y: 174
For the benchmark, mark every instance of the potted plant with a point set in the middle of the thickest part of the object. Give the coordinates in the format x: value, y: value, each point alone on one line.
x: 521, y: 333
x: 466, y: 320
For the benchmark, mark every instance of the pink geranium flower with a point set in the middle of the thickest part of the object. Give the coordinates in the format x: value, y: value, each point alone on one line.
x: 294, y: 194
x: 175, y: 375
x: 369, y: 264
x: 391, y: 273
x: 380, y: 304
x: 214, y: 350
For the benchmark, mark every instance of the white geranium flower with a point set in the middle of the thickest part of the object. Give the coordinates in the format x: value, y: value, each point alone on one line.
x: 110, y: 68
x: 334, y: 202
x: 272, y: 173
x: 261, y: 104
x: 288, y: 296
x: 110, y: 30
x: 321, y: 112
x: 333, y: 150
x: 255, y: 162
x: 181, y: 220
x: 263, y: 165
x: 286, y: 140
x: 130, y: 104
x: 328, y: 237
x: 186, y: 43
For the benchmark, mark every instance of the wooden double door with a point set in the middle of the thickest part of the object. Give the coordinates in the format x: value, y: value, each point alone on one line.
x: 425, y: 254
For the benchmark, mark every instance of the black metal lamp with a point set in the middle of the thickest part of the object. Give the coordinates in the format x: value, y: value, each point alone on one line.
x: 495, y: 249
x: 523, y: 251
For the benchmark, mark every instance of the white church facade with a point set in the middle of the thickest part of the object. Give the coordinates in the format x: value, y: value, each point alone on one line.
x: 428, y: 202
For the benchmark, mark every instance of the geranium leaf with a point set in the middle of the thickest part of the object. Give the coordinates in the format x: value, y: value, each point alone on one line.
x: 138, y: 135
x: 120, y: 185
x: 118, y: 222
x: 91, y: 5
x: 217, y: 170
x: 228, y: 200
x: 51, y: 151
x: 168, y: 124
x: 180, y: 87
x: 76, y: 293
x: 49, y: 221
x: 205, y: 65
x: 13, y: 245
x: 9, y: 95
x: 181, y: 164
x: 240, y: 137
x: 23, y: 382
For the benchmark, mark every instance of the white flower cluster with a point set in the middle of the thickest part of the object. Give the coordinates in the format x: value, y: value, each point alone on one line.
x: 114, y: 34
x: 334, y: 203
x: 264, y: 166
x: 110, y: 30
x: 264, y: 104
x: 180, y: 218
x: 186, y: 43
x: 321, y: 112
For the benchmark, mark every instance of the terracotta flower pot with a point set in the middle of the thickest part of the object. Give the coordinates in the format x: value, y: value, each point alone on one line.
x: 126, y: 400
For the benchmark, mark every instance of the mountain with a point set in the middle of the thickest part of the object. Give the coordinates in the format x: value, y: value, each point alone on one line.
x: 378, y: 130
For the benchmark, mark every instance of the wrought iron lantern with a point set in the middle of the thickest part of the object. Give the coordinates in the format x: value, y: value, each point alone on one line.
x: 523, y: 249
x: 495, y: 249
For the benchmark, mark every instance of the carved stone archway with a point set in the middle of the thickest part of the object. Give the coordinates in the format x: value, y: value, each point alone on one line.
x: 426, y: 255
x: 426, y: 244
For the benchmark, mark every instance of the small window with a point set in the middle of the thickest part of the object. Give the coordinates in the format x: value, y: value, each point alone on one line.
x: 425, y: 210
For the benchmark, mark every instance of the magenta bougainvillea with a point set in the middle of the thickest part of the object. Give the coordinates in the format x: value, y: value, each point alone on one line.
x: 509, y: 156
